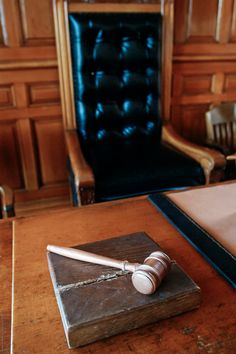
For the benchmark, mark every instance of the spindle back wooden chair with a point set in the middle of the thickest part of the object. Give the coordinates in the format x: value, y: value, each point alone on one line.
x: 221, y: 126
x: 221, y: 133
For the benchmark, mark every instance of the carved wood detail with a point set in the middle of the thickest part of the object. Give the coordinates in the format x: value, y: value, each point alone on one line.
x: 7, y: 96
x: 191, y: 84
x: 30, y: 98
x: 1, y: 33
x: 205, y: 27
x: 208, y: 31
x: 44, y: 93
x: 230, y: 83
x: 37, y: 30
x: 10, y: 23
x: 232, y: 33
x: 189, y: 121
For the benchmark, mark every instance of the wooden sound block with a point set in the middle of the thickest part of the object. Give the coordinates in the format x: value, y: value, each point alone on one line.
x: 96, y: 301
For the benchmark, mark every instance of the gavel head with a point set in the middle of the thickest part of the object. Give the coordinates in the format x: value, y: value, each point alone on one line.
x: 148, y: 276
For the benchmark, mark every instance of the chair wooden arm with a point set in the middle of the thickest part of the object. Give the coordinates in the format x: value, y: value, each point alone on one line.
x: 231, y: 157
x: 209, y: 159
x: 219, y: 147
x: 83, y: 174
x: 6, y: 196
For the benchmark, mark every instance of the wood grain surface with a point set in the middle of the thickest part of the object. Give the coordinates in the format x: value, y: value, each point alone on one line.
x: 5, y: 281
x: 97, y: 301
x: 30, y: 112
x: 203, y: 62
x: 37, y: 325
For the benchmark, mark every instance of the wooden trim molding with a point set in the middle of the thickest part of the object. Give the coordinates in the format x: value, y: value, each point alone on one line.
x: 27, y: 53
x: 189, y: 58
x: 114, y: 7
x: 64, y: 59
x: 168, y: 14
x: 83, y: 174
x: 6, y: 65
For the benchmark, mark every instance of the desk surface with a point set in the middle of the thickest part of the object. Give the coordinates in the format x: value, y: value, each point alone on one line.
x: 5, y: 281
x: 37, y: 326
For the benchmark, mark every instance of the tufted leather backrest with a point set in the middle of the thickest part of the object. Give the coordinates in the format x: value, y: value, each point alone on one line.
x: 116, y: 72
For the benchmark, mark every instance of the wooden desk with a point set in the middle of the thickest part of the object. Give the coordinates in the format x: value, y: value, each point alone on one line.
x: 5, y: 281
x: 37, y: 326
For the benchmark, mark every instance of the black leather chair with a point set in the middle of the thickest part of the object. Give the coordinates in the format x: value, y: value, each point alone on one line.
x: 116, y: 142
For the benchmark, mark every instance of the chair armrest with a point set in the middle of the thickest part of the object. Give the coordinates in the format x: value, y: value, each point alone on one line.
x: 209, y: 159
x: 231, y: 157
x: 6, y: 195
x: 221, y: 148
x: 83, y: 174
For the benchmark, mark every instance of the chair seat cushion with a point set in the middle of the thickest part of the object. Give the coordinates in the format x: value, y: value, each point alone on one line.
x: 127, y: 170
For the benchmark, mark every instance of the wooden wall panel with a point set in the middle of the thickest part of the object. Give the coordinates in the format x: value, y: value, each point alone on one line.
x: 230, y: 83
x: 206, y: 79
x: 204, y: 62
x: 1, y: 33
x: 10, y: 163
x: 37, y: 21
x: 28, y: 87
x: 198, y: 12
x: 188, y: 14
x: 204, y: 27
x: 31, y: 98
x: 27, y: 32
x: 189, y: 121
x: 51, y: 149
x: 11, y: 25
x: 7, y: 98
x: 46, y: 93
x: 232, y: 33
x: 191, y: 84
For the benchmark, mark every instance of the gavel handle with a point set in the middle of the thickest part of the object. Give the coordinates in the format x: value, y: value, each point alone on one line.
x: 92, y: 258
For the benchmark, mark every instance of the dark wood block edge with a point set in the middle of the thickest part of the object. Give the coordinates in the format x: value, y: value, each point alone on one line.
x: 83, y: 335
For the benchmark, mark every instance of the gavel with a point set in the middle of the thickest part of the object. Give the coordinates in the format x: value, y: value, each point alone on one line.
x: 146, y: 277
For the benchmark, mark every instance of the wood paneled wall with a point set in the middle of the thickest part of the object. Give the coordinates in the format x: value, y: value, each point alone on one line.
x: 32, y: 149
x: 204, y: 62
